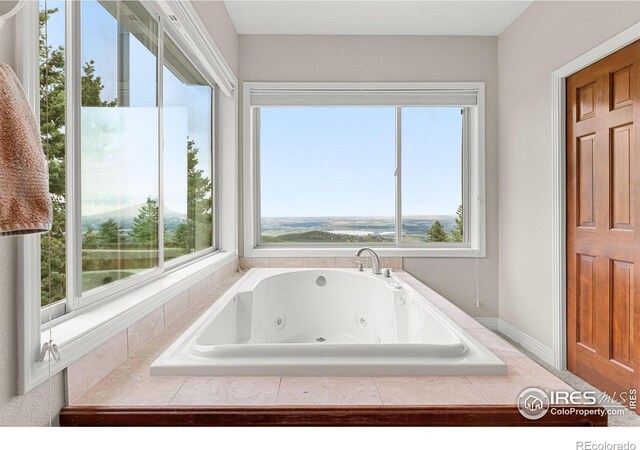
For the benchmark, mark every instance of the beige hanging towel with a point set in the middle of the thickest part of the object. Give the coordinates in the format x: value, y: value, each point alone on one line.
x: 25, y: 203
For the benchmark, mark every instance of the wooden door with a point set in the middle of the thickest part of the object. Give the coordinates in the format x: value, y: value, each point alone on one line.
x: 603, y: 212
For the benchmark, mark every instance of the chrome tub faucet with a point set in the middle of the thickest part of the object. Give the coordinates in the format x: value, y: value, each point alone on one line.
x: 375, y: 261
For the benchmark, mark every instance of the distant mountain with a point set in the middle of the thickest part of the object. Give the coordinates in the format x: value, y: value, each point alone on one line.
x: 324, y: 236
x: 124, y: 217
x: 375, y: 229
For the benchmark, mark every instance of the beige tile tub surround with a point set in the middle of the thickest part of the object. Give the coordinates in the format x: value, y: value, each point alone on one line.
x: 228, y: 391
x: 175, y: 307
x: 522, y: 373
x: 317, y: 262
x: 130, y: 383
x: 145, y: 329
x: 460, y: 317
x: 249, y: 263
x: 90, y: 369
x: 428, y: 391
x: 328, y: 391
x: 198, y: 292
x: 148, y: 337
x: 285, y: 262
x: 500, y: 347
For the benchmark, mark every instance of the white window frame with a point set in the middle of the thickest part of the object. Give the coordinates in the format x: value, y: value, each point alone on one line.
x: 112, y: 311
x: 79, y: 298
x: 76, y: 298
x: 473, y: 172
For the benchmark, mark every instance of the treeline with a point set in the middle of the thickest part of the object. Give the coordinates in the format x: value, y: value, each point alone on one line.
x: 324, y: 236
x: 143, y: 234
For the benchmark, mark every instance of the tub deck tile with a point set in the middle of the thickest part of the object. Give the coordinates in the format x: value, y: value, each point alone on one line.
x: 499, y: 347
x: 130, y: 384
x: 228, y: 391
x: 522, y: 373
x: 328, y: 391
x: 462, y: 319
x: 156, y: 346
x: 428, y: 391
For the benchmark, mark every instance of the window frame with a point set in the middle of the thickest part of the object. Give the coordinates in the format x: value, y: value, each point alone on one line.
x: 72, y: 331
x: 77, y: 299
x: 473, y: 170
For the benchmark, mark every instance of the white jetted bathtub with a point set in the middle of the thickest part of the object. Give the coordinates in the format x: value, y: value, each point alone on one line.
x: 324, y: 322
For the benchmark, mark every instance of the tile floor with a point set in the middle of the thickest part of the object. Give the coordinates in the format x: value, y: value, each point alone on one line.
x: 130, y: 383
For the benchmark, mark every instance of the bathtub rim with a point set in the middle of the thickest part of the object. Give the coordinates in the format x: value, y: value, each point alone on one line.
x: 171, y: 363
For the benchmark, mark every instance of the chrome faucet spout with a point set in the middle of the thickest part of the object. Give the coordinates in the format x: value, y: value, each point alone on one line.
x: 375, y: 260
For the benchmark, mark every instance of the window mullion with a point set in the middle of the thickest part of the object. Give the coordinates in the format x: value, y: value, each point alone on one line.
x: 73, y: 188
x: 466, y: 174
x: 398, y: 176
x: 255, y: 116
x: 160, y: 101
x: 215, y: 163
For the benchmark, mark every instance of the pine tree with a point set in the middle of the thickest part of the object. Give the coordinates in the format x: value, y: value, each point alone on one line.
x: 90, y: 238
x: 145, y: 225
x: 52, y: 132
x: 180, y: 235
x: 457, y: 232
x: 436, y: 233
x: 92, y: 87
x: 198, y: 229
x: 109, y: 233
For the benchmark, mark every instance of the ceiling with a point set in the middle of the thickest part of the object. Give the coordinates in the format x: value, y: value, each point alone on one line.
x: 363, y: 17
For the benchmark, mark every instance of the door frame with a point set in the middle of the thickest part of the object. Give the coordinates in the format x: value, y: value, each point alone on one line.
x: 558, y: 149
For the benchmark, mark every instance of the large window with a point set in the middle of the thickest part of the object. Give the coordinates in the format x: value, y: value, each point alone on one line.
x: 118, y: 142
x: 326, y: 175
x: 188, y: 164
x: 432, y: 180
x: 132, y: 167
x: 350, y: 165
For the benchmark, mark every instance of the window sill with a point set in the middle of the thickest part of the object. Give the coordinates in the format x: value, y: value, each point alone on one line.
x: 79, y: 332
x: 389, y: 252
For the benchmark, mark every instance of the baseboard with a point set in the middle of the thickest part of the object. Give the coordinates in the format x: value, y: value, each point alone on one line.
x: 533, y: 345
x: 491, y: 323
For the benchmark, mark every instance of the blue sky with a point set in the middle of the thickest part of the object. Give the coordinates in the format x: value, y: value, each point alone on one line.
x: 341, y: 161
x: 315, y: 161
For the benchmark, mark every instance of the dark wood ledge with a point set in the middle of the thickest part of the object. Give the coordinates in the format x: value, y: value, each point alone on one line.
x: 420, y: 416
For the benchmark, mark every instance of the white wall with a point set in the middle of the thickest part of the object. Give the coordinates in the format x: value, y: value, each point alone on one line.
x: 546, y: 36
x: 216, y: 19
x: 400, y: 58
x: 33, y: 408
